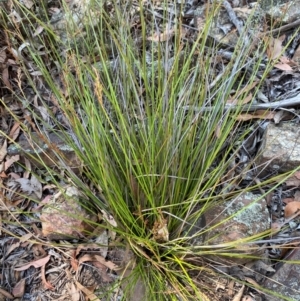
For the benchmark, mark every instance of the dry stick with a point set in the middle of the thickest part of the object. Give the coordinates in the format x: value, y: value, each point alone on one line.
x: 295, y: 101
x: 234, y: 19
x: 284, y: 27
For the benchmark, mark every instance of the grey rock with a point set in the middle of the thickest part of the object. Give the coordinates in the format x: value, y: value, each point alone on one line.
x: 286, y: 280
x: 280, y: 151
x: 282, y: 10
x: 234, y: 220
x: 43, y: 151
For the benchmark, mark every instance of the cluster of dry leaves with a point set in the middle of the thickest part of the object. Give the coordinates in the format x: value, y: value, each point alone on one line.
x: 65, y: 268
x: 24, y: 251
x: 34, y: 267
x: 292, y: 205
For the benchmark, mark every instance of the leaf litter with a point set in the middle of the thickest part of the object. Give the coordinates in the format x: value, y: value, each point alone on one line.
x: 20, y: 192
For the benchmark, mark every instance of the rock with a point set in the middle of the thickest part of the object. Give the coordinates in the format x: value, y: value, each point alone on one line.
x: 39, y: 150
x: 65, y: 218
x: 272, y: 3
x: 280, y: 150
x: 224, y: 31
x: 286, y: 280
x: 250, y: 217
x: 285, y: 11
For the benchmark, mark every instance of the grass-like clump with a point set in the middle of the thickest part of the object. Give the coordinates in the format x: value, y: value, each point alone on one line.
x: 149, y: 123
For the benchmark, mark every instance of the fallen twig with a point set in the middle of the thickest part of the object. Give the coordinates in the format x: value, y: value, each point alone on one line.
x: 295, y: 101
x: 234, y: 19
x: 283, y: 28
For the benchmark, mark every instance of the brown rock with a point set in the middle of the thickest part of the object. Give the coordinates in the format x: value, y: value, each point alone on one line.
x: 250, y: 217
x: 286, y: 280
x: 65, y: 218
x: 42, y: 151
x: 283, y: 11
x: 280, y: 150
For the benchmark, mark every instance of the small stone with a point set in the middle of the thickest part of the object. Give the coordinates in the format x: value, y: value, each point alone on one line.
x: 248, y: 215
x: 65, y: 218
x: 280, y: 150
x: 42, y: 151
x: 285, y: 281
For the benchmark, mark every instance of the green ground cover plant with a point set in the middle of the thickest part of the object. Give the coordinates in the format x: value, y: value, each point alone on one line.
x: 149, y: 123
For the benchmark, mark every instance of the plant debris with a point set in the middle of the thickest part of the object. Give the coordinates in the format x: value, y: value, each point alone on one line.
x: 55, y: 242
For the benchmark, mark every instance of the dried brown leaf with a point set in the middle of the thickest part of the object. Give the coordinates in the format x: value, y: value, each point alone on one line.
x: 285, y: 60
x: 74, y: 262
x: 110, y: 219
x: 288, y: 200
x: 235, y: 101
x: 5, y: 78
x: 73, y: 291
x: 19, y: 289
x: 28, y: 3
x: 235, y: 98
x: 160, y: 230
x: 99, y: 265
x: 297, y: 196
x: 38, y: 250
x: 239, y: 294
x: 15, y: 131
x: 36, y: 230
x: 254, y: 283
x: 11, y: 161
x: 27, y: 172
x: 6, y: 293
x: 162, y: 37
x: 3, y: 55
x: 278, y: 116
x: 86, y: 257
x: 3, y: 150
x: 275, y: 47
x: 14, y: 176
x: 87, y: 292
x: 291, y: 209
x: 296, y: 56
x: 39, y: 30
x: 244, y: 9
x: 12, y: 247
x: 36, y: 263
x: 36, y: 73
x: 245, y: 117
x: 260, y: 114
x: 263, y: 266
x: 284, y: 67
x: 294, y: 180
x: 42, y: 203
x: 94, y: 257
x: 230, y: 288
x: 3, y: 174
x: 297, y: 175
x: 103, y: 271
x: 47, y: 284
x: 276, y: 227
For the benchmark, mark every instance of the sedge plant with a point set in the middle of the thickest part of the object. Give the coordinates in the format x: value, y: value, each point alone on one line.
x: 146, y: 116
